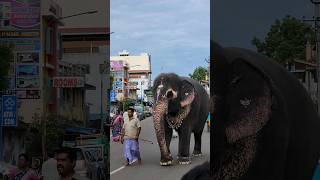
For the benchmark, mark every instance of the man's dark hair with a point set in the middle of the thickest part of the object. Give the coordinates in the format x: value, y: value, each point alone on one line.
x: 72, y: 155
x: 26, y: 157
x: 132, y: 109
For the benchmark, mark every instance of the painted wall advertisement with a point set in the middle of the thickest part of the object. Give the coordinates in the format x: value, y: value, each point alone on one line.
x: 19, y: 14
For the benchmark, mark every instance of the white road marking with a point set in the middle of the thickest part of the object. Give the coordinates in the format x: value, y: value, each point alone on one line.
x: 119, y: 169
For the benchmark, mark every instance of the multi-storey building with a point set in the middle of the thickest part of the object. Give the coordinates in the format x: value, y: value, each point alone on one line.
x: 139, y: 72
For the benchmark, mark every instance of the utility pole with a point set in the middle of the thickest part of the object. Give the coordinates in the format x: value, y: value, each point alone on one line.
x: 316, y: 29
x: 316, y: 24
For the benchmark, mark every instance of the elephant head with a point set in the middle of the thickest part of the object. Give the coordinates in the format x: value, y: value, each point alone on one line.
x: 173, y: 97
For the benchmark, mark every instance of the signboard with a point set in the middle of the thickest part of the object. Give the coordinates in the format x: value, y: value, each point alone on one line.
x: 68, y: 82
x: 28, y: 82
x: 19, y: 34
x: 113, y: 96
x: 20, y: 14
x: 27, y: 57
x: 9, y: 110
x: 22, y: 44
x: 27, y: 70
x: 117, y: 83
x: 28, y: 94
x: 116, y: 65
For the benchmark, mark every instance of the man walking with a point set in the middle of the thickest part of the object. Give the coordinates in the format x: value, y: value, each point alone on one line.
x: 129, y: 136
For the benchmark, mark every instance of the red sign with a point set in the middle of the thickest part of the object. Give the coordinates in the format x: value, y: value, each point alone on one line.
x: 68, y: 82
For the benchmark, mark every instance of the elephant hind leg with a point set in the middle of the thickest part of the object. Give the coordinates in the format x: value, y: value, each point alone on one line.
x: 197, y: 144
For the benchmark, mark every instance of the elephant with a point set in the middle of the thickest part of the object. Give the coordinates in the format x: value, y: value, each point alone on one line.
x: 180, y: 103
x: 265, y: 123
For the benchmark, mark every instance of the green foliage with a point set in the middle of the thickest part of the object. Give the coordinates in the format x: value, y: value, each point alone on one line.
x: 55, y: 128
x: 199, y: 74
x: 6, y: 55
x: 285, y: 40
x: 111, y: 81
x: 127, y: 103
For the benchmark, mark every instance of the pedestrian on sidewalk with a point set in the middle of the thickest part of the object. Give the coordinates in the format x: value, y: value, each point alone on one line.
x: 129, y: 137
x: 23, y: 172
x: 117, y: 122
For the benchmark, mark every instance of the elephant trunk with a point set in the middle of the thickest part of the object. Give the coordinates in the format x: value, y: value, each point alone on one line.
x: 160, y: 109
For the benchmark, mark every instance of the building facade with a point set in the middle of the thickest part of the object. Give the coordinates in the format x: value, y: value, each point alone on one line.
x: 85, y: 40
x: 139, y: 72
x: 31, y: 28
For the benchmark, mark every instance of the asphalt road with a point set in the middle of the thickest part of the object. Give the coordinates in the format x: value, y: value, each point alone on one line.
x: 150, y: 154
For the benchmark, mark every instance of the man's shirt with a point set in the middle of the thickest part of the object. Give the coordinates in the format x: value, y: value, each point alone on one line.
x: 131, y: 128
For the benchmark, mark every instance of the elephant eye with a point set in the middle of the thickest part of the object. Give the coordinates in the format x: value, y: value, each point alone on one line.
x: 235, y: 81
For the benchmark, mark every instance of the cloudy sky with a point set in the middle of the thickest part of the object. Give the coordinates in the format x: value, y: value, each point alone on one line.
x: 175, y: 32
x: 235, y: 23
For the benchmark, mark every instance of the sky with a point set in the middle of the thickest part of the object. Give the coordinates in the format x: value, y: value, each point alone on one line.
x: 176, y: 33
x: 235, y: 23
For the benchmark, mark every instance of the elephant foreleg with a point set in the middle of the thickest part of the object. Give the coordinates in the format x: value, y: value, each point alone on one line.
x: 184, y: 146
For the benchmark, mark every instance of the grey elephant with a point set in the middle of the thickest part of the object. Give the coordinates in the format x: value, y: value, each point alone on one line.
x: 181, y: 103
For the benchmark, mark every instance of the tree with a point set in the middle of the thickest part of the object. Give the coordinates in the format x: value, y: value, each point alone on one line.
x: 55, y: 129
x: 199, y: 74
x: 6, y: 55
x: 285, y: 41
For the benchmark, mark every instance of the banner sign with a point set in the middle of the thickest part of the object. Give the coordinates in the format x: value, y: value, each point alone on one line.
x: 20, y: 15
x: 68, y: 82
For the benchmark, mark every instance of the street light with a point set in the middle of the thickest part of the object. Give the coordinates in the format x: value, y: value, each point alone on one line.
x: 79, y: 14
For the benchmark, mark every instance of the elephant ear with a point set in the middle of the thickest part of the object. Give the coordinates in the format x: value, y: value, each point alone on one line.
x: 187, y: 93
